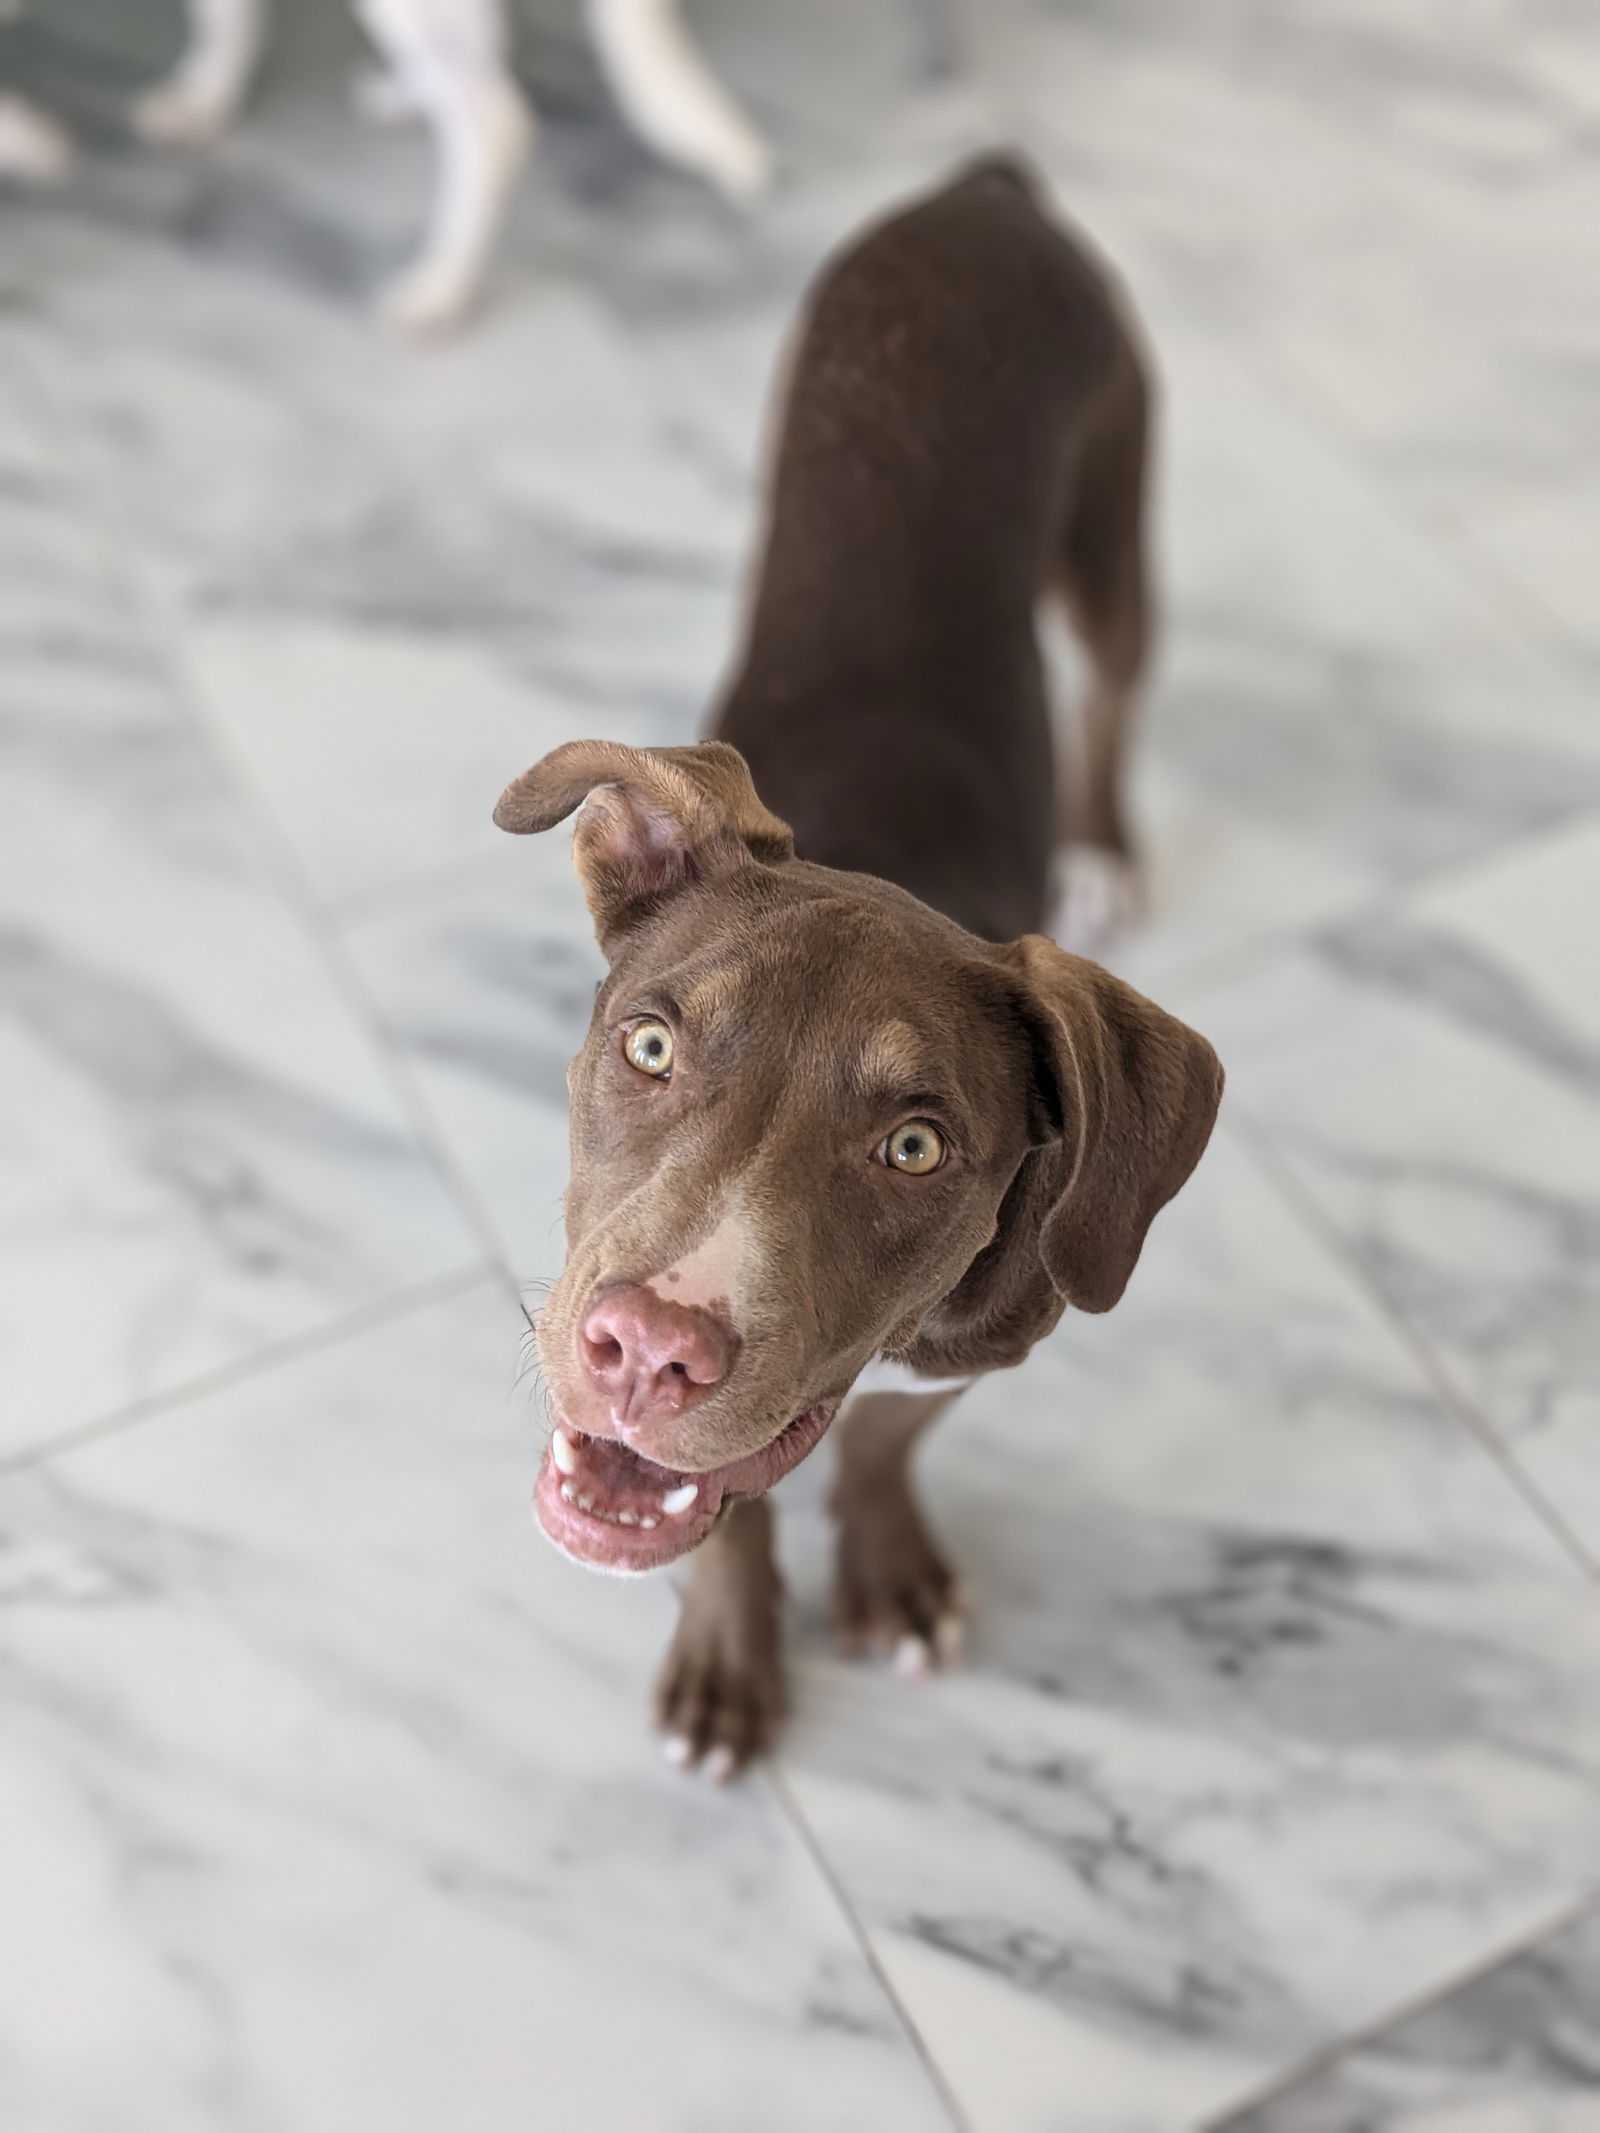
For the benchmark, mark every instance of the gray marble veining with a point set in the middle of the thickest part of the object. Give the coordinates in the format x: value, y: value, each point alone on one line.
x: 1517, y: 2048
x: 202, y: 1155
x: 1429, y: 1074
x: 295, y: 1699
x: 1278, y: 1701
x: 334, y: 1791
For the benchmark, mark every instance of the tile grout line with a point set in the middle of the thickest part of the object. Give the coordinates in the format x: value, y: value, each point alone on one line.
x: 313, y: 1340
x: 778, y: 1784
x: 283, y: 864
x: 1421, y: 2003
x: 1435, y: 1373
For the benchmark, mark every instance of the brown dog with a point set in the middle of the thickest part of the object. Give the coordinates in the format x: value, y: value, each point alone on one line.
x: 832, y: 1108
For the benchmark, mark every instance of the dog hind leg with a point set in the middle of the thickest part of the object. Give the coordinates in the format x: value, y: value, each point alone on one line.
x: 671, y: 98
x: 1103, y: 583
x: 203, y: 93
x: 451, y: 56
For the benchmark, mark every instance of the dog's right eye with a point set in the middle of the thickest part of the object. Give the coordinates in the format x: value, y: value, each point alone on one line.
x: 648, y: 1046
x: 916, y: 1148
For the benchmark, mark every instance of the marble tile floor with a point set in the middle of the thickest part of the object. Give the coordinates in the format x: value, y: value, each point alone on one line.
x: 1269, y: 1797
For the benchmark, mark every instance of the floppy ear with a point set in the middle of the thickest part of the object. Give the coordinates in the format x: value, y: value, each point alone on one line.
x: 1127, y: 1097
x: 650, y: 819
x: 1136, y: 1094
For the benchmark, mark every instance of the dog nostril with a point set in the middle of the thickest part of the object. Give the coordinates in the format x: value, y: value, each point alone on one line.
x: 606, y: 1352
x: 679, y: 1370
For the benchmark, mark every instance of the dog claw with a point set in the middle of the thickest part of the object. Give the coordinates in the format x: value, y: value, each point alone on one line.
x: 912, y: 1660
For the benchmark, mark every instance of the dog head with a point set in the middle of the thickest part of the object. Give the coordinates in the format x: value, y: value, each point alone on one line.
x: 813, y: 1122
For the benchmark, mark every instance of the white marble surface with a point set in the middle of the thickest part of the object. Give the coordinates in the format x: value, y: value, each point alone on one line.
x: 202, y: 1154
x: 1280, y: 1699
x: 327, y: 1797
x: 1431, y: 1075
x: 1516, y: 2051
x: 325, y: 1806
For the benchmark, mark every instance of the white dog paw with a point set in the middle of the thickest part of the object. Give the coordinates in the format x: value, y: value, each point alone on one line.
x: 182, y: 115
x: 737, y: 161
x: 424, y: 304
x: 32, y: 146
x: 1097, y: 898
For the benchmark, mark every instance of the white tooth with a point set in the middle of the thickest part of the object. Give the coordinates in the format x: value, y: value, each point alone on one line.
x: 647, y: 1520
x: 561, y: 1451
x: 677, y: 1501
x: 569, y: 1492
x: 585, y: 1503
x: 627, y: 1518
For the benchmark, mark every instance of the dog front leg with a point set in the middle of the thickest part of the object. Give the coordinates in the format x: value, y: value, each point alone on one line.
x: 449, y: 58
x: 893, y: 1590
x: 720, y: 1694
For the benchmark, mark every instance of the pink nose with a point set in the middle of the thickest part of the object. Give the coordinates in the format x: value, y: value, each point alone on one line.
x: 649, y: 1357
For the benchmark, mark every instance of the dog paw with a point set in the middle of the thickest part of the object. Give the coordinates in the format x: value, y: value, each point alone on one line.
x: 182, y: 115
x: 736, y: 160
x: 895, y: 1594
x: 425, y: 304
x: 1097, y: 897
x: 32, y: 146
x: 719, y: 1697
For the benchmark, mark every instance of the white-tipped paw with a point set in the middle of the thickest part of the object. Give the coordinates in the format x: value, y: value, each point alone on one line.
x: 719, y: 1700
x: 914, y: 1658
x: 182, y: 115
x: 735, y: 159
x: 32, y: 146
x: 894, y: 1593
x: 1097, y: 897
x: 426, y: 302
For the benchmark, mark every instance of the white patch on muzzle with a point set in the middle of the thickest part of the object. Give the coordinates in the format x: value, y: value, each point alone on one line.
x: 716, y: 1275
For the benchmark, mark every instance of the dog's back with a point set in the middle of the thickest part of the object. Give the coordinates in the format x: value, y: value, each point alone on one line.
x: 938, y: 464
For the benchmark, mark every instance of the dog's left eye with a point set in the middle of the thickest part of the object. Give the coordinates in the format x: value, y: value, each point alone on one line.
x: 648, y: 1046
x: 917, y: 1148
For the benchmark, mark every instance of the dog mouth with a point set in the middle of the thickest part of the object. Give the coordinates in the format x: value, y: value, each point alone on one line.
x: 606, y: 1505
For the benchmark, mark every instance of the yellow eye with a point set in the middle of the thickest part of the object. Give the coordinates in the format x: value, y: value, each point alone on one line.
x: 916, y: 1147
x: 648, y: 1046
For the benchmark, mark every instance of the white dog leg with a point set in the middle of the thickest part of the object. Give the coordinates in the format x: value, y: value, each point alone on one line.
x: 32, y: 146
x: 670, y: 98
x: 203, y: 93
x: 451, y: 54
